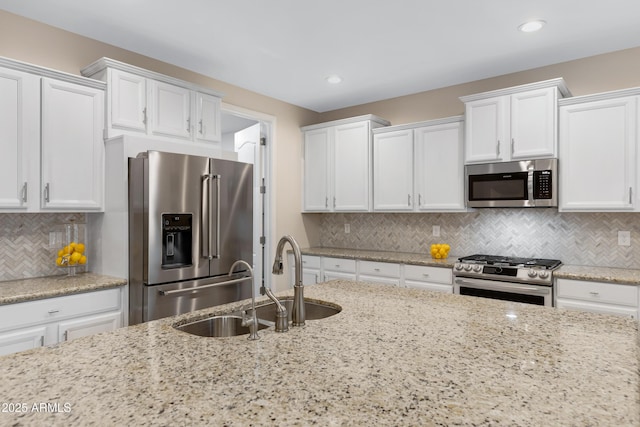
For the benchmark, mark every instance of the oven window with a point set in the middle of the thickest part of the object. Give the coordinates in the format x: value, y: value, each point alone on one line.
x: 504, y: 296
x: 511, y: 186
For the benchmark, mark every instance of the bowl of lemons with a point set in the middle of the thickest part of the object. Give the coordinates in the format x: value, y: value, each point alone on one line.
x: 71, y: 255
x: 440, y: 250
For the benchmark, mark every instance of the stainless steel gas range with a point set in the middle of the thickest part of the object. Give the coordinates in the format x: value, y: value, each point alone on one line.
x: 528, y: 280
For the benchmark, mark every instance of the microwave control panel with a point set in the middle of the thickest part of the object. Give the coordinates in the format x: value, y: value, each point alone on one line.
x: 542, y: 184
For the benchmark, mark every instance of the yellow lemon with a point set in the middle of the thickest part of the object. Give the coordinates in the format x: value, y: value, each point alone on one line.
x: 80, y: 247
x: 60, y: 253
x: 82, y: 260
x: 59, y: 261
x: 75, y: 257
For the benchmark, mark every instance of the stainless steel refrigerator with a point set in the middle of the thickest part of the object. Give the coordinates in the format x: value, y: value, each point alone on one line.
x: 190, y: 219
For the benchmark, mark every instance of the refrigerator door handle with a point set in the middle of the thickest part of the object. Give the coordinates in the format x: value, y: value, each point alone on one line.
x: 217, y: 178
x: 205, y: 218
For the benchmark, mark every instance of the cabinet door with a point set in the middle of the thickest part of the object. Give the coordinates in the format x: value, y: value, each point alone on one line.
x: 22, y: 339
x: 393, y: 171
x: 597, y: 155
x: 316, y: 171
x: 533, y: 124
x: 170, y: 110
x: 72, y: 146
x: 19, y: 134
x: 89, y: 325
x: 128, y: 93
x: 207, y: 118
x: 439, y: 170
x: 486, y: 130
x: 352, y: 172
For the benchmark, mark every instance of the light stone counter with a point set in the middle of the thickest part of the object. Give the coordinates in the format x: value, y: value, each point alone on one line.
x: 382, y: 256
x: 15, y: 291
x: 626, y: 276
x: 393, y: 356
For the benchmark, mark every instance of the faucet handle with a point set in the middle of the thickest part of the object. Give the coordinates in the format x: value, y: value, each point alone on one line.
x: 252, y: 322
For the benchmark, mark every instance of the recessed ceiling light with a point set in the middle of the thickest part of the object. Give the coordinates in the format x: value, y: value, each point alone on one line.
x: 531, y: 26
x: 334, y: 79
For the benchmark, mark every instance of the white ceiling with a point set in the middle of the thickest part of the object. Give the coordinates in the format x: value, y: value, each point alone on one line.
x: 382, y: 48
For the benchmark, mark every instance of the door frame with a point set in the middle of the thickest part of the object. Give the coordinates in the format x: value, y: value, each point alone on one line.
x: 267, y: 154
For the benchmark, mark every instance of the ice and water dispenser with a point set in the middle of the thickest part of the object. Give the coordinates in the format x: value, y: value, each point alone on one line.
x: 176, y: 240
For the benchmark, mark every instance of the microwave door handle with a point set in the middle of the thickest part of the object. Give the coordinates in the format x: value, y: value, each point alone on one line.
x: 205, y: 218
x: 530, y: 185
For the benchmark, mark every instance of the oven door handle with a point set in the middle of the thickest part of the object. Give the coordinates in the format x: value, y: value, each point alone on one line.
x: 501, y: 286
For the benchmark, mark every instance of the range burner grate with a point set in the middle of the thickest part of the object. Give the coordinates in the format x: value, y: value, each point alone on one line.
x: 548, y: 264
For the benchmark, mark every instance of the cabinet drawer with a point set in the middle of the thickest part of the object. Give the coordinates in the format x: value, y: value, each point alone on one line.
x: 428, y: 274
x: 610, y: 293
x: 339, y: 264
x: 310, y: 261
x: 52, y: 309
x: 386, y: 269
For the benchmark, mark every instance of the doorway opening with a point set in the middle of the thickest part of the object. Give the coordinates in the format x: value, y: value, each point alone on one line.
x: 250, y: 135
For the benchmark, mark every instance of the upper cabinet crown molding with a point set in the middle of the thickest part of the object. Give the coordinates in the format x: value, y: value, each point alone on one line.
x: 50, y: 73
x: 367, y: 117
x: 407, y: 126
x: 602, y: 96
x: 558, y: 82
x: 104, y: 63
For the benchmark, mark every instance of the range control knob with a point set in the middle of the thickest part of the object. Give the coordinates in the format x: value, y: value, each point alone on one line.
x: 467, y: 267
x: 459, y: 267
x: 477, y: 268
x: 543, y: 274
x: 532, y: 273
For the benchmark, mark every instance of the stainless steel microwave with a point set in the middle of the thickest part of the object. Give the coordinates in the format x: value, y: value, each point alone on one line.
x: 528, y: 183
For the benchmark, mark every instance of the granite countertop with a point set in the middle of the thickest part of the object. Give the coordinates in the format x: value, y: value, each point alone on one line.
x: 392, y: 356
x: 628, y: 276
x: 14, y: 291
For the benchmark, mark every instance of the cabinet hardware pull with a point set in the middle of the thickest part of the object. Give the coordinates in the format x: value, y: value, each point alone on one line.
x: 201, y: 128
x: 334, y: 202
x: 46, y: 192
x: 419, y: 199
x: 42, y: 341
x: 408, y: 199
x: 144, y: 116
x: 376, y: 269
x: 425, y: 274
x: 66, y: 335
x: 24, y: 193
x: 53, y: 311
x: 498, y: 149
x: 189, y: 124
x: 594, y: 293
x: 512, y: 144
x: 337, y: 265
x: 630, y: 195
x: 326, y: 202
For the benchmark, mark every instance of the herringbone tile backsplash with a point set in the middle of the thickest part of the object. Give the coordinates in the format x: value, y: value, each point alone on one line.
x: 24, y: 244
x: 573, y: 238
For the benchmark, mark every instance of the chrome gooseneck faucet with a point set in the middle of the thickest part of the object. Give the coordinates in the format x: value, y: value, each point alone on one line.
x: 298, y: 313
x: 252, y: 321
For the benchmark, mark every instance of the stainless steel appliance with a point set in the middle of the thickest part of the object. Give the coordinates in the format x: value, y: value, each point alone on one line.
x: 190, y: 219
x: 528, y: 183
x: 528, y: 280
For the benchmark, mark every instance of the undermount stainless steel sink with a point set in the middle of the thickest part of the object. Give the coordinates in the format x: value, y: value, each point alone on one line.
x: 230, y: 325
x: 218, y: 326
x: 314, y: 310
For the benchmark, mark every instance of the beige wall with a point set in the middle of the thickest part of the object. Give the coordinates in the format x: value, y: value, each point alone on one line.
x: 43, y: 45
x: 616, y: 70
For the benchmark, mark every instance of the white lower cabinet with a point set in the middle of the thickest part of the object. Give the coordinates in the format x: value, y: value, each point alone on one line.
x: 338, y: 268
x: 432, y: 278
x: 50, y: 321
x: 597, y: 297
x: 384, y: 273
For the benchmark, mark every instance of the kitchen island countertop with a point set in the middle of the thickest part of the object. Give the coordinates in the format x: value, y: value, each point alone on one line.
x: 15, y: 291
x: 392, y: 356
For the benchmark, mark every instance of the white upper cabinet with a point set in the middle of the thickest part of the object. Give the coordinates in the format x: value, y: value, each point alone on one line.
x: 51, y: 130
x: 337, y: 165
x: 418, y: 167
x: 19, y: 134
x: 439, y: 170
x: 72, y: 146
x: 393, y: 171
x: 514, y: 123
x: 140, y: 101
x: 598, y: 152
